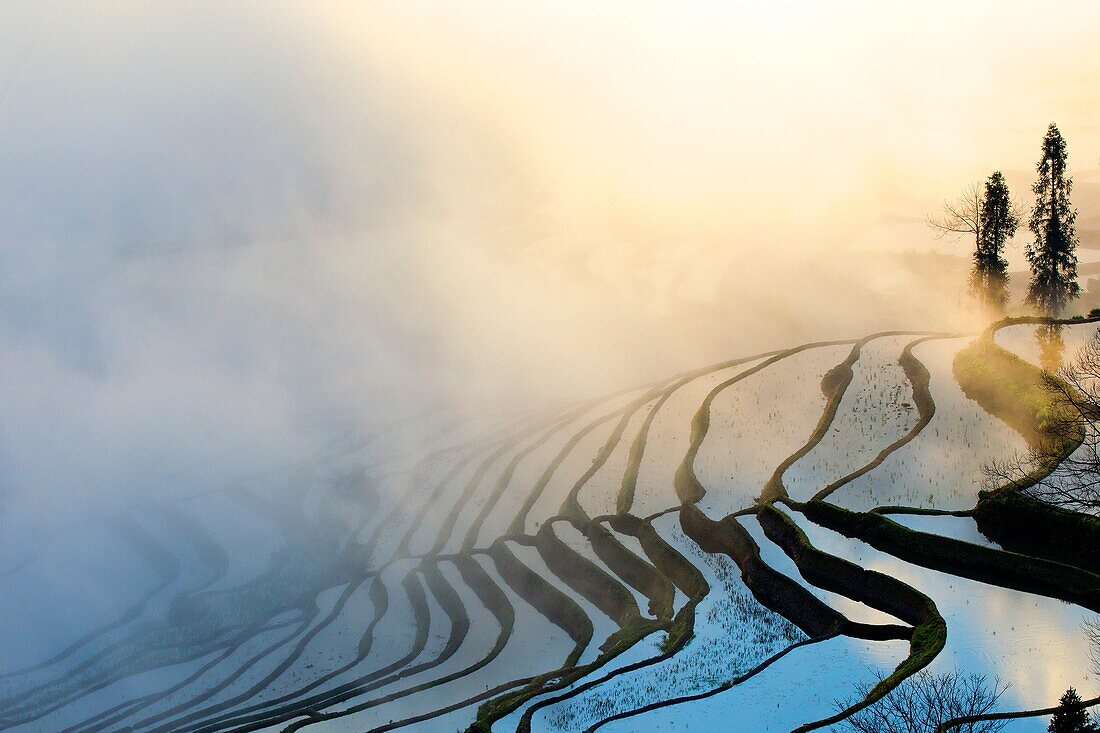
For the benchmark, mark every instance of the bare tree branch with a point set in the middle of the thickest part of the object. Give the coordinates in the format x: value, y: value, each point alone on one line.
x: 922, y: 703
x: 960, y: 217
x: 1073, y: 415
x: 1092, y: 633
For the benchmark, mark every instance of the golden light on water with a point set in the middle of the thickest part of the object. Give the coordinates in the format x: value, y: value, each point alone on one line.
x: 324, y: 318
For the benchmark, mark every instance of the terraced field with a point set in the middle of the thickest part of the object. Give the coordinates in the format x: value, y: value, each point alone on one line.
x: 738, y: 545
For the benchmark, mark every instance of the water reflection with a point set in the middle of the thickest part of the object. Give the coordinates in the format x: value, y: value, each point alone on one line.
x: 1037, y: 644
x: 1052, y: 346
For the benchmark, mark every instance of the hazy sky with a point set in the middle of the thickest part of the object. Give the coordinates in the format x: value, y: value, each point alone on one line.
x: 231, y: 230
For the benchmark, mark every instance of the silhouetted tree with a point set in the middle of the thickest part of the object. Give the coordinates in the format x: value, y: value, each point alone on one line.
x: 924, y: 701
x: 962, y: 216
x: 1053, y: 254
x: 989, y: 214
x: 1071, y: 716
x: 998, y: 221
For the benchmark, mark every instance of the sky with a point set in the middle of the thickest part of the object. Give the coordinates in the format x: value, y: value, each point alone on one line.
x: 231, y: 232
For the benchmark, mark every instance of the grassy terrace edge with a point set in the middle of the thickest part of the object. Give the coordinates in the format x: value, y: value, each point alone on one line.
x: 1010, y: 388
x: 679, y: 630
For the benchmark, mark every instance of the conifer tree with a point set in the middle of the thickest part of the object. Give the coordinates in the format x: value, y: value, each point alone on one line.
x: 1070, y: 719
x: 1053, y: 254
x: 998, y: 222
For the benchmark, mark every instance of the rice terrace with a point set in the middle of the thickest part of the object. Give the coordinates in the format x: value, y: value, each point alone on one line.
x: 534, y: 369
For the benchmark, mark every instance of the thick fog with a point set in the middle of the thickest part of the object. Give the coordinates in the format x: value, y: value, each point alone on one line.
x: 234, y: 234
x: 304, y: 306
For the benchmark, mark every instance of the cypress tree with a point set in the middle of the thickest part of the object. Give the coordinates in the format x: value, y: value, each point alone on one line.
x: 989, y: 278
x: 1053, y: 254
x: 1068, y: 719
